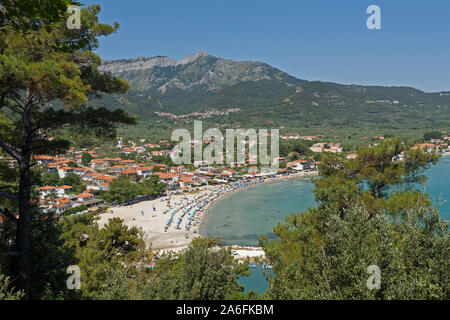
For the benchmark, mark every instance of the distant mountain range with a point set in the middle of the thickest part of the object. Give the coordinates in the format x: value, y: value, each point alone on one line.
x: 201, y: 81
x: 197, y: 71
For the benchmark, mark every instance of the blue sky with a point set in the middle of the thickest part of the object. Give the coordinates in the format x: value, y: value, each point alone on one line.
x: 311, y: 39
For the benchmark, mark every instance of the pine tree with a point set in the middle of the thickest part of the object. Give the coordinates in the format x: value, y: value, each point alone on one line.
x: 43, y: 64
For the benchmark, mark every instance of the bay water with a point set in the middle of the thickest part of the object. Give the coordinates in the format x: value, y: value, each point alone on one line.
x: 241, y: 217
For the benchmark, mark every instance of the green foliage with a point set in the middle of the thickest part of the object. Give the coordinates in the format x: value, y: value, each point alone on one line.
x: 50, y: 179
x: 5, y: 292
x: 324, y: 254
x: 199, y: 273
x: 98, y: 251
x: 8, y: 184
x: 74, y: 210
x: 368, y: 214
x: 152, y: 186
x: 432, y: 135
x: 42, y: 62
x: 73, y: 180
x: 162, y: 160
x: 86, y: 159
x: 207, y: 274
x: 375, y: 175
x: 122, y: 188
x: 49, y: 257
x: 25, y: 15
x: 72, y: 164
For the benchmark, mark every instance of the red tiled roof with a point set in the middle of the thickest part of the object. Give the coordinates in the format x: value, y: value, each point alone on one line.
x: 105, y: 178
x: 47, y: 188
x: 163, y: 175
x: 118, y: 167
x: 92, y: 174
x: 98, y: 161
x: 128, y: 171
x: 145, y: 168
x: 43, y: 157
x: 85, y: 195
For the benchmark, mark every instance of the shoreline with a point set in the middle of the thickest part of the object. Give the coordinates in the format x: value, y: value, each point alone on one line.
x: 177, y: 239
x: 208, y: 208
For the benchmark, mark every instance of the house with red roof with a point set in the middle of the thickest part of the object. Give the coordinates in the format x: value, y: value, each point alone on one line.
x: 169, y: 178
x: 117, y: 169
x: 292, y: 136
x: 179, y: 169
x: 429, y: 147
x: 297, y: 165
x: 99, y: 164
x: 91, y: 175
x: 127, y: 150
x: 102, y: 179
x: 81, y: 171
x: 85, y: 196
x: 62, y: 204
x: 144, y: 171
x: 127, y: 162
x: 186, y: 182
x: 42, y: 159
x: 47, y: 190
x: 62, y: 190
x: 64, y: 171
x: 128, y: 172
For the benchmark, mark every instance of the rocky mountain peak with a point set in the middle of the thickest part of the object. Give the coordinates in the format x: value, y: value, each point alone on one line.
x: 193, y: 57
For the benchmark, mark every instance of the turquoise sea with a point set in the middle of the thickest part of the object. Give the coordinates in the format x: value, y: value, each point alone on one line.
x: 438, y: 184
x: 241, y: 217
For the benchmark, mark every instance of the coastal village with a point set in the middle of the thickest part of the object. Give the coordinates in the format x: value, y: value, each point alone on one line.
x: 99, y: 173
x: 190, y: 189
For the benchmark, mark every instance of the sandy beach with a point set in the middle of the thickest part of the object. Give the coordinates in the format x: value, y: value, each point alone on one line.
x: 153, y: 216
x: 152, y: 221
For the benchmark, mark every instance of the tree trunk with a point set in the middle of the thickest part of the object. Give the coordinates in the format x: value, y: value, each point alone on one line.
x: 24, y: 221
x: 23, y: 226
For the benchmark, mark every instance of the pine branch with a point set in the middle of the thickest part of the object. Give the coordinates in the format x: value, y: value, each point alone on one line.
x: 14, y: 152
